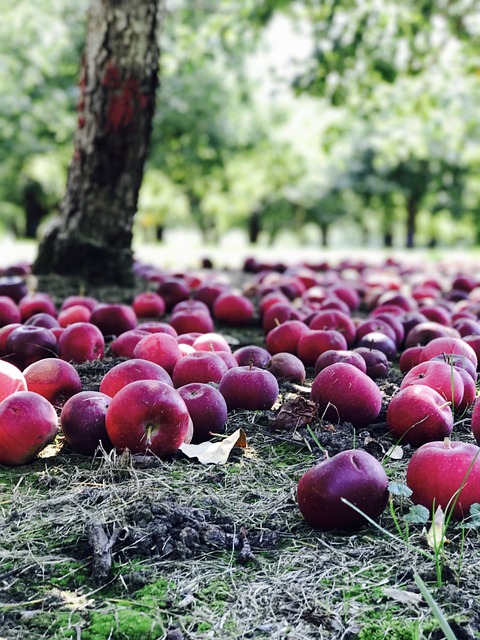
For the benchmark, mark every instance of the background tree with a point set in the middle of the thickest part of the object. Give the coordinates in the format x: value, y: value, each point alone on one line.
x: 92, y: 237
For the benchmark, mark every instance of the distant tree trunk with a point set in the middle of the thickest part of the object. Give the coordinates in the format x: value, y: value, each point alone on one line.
x: 324, y: 229
x: 93, y: 234
x: 412, y: 209
x: 254, y: 227
x: 159, y: 232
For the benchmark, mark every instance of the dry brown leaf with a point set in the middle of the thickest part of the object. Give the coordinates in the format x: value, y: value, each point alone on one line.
x: 215, y: 452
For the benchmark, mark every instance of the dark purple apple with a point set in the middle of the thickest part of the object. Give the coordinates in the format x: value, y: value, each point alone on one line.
x: 353, y: 475
x: 82, y: 421
x: 27, y: 344
x: 207, y: 409
x: 287, y: 367
x: 249, y: 388
x: 375, y: 361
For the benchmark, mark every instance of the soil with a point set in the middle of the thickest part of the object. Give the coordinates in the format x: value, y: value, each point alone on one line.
x: 122, y: 546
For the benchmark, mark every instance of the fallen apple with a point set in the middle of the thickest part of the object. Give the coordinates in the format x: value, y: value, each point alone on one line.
x: 353, y: 475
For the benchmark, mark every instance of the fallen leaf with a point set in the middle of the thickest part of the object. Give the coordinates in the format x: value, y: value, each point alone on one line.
x: 395, y: 452
x: 436, y: 534
x: 215, y: 452
x: 400, y: 595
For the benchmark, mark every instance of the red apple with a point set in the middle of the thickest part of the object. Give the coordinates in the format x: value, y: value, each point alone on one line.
x: 148, y: 304
x: 207, y: 409
x: 234, y: 310
x: 11, y: 379
x: 86, y: 301
x: 354, y: 475
x: 438, y: 470
x: 36, y: 303
x: 160, y: 348
x: 42, y: 319
x: 476, y: 420
x: 252, y: 355
x: 83, y: 422
x: 155, y: 326
x: 249, y: 388
x: 419, y: 414
x: 336, y: 320
x: 284, y: 338
x: 211, y: 342
x: 341, y: 355
x: 188, y: 321
x: 130, y: 371
x: 410, y: 358
x: 74, y: 313
x: 316, y: 341
x: 54, y: 379
x: 199, y: 366
x: 173, y: 290
x: 440, y: 376
x: 81, y: 342
x: 439, y: 346
x: 28, y: 423
x: 424, y: 332
x: 113, y: 319
x: 9, y: 311
x: 343, y: 393
x: 148, y: 416
x: 124, y: 345
x: 279, y: 313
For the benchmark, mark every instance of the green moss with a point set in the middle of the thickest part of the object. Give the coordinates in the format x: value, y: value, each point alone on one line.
x: 54, y: 624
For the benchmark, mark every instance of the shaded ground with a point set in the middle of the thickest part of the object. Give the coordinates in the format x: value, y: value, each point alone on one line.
x: 126, y: 547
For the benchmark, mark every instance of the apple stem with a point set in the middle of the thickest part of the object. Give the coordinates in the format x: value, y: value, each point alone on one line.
x: 445, y: 404
x: 447, y: 443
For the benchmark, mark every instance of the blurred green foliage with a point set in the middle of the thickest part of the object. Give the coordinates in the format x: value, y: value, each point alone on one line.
x: 362, y: 111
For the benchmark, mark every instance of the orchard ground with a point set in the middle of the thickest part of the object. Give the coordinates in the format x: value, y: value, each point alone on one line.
x: 219, y: 551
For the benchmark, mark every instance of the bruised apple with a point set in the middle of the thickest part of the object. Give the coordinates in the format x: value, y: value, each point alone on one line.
x: 28, y: 423
x: 354, y: 475
x: 148, y: 416
x: 436, y: 472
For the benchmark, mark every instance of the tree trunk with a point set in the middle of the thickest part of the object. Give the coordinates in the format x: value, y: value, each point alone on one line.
x: 412, y: 208
x: 324, y: 229
x: 254, y: 227
x: 92, y: 236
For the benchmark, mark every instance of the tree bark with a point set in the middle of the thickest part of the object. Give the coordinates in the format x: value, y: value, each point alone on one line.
x: 92, y: 236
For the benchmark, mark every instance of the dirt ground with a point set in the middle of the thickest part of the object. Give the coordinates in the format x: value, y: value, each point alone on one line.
x: 126, y: 547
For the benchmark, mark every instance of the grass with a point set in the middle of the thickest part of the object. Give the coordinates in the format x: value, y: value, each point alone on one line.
x: 306, y: 585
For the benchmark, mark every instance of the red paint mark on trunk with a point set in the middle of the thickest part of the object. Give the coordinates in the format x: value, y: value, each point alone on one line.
x: 124, y: 104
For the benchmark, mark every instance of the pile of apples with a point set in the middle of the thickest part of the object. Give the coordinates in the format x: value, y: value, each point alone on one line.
x: 341, y: 328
